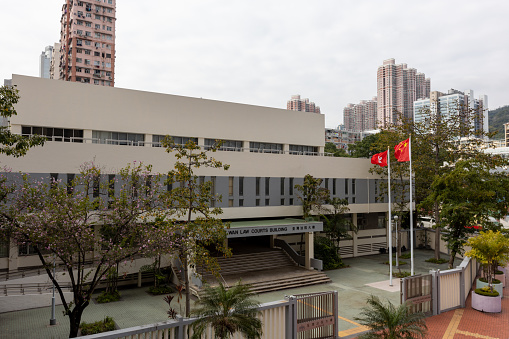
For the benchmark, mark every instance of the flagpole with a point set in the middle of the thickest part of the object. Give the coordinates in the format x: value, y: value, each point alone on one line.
x: 411, y: 210
x: 390, y: 215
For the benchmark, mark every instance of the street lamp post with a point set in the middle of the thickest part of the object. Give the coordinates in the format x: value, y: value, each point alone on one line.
x: 53, y: 321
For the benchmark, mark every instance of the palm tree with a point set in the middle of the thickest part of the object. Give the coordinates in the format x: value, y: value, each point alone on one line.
x: 227, y: 312
x: 391, y: 322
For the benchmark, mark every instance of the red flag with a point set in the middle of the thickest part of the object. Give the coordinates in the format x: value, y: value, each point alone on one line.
x: 402, y: 151
x: 380, y: 159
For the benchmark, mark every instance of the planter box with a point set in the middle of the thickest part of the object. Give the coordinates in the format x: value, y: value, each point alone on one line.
x: 486, y: 304
x: 503, y: 269
x: 501, y: 277
x: 497, y: 287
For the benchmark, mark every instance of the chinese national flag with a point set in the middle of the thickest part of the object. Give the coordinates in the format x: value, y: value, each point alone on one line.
x: 380, y: 159
x: 401, y: 151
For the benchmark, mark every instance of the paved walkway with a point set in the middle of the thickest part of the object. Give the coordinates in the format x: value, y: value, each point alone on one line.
x: 365, y: 276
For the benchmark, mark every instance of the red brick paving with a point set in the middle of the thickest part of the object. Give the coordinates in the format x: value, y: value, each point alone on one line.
x: 473, y: 324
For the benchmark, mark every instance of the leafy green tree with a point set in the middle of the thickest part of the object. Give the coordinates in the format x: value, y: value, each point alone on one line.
x: 489, y: 248
x: 196, y: 224
x: 228, y: 311
x: 366, y: 147
x: 391, y: 322
x: 12, y: 144
x: 336, y: 225
x: 86, y: 229
x: 313, y: 197
x: 437, y: 143
x: 468, y: 195
x: 331, y: 148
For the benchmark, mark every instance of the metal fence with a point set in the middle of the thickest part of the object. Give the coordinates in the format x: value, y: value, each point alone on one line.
x: 280, y: 320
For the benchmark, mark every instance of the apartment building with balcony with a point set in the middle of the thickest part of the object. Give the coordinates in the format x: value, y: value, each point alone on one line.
x: 398, y: 86
x: 302, y: 105
x: 361, y: 117
x: 87, y: 39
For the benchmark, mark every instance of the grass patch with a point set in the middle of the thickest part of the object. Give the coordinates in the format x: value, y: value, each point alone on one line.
x: 405, y: 256
x: 158, y: 290
x: 403, y: 274
x: 394, y: 262
x: 437, y: 261
x: 493, y: 281
x: 97, y: 327
x: 106, y: 297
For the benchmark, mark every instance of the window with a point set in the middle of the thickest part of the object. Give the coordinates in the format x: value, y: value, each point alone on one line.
x: 97, y: 63
x: 87, y: 70
x: 265, y: 147
x: 54, y: 134
x: 87, y: 62
x: 326, y: 183
x: 157, y: 139
x: 97, y: 26
x: 303, y: 150
x: 98, y: 35
x: 79, y: 42
x: 87, y: 33
x: 241, y: 186
x: 118, y: 138
x: 291, y: 201
x: 282, y: 202
x: 291, y: 186
x: 334, y: 186
x: 346, y: 186
x: 70, y: 180
x: 78, y: 50
x: 226, y: 145
x: 97, y: 54
x: 353, y: 186
x: 108, y: 55
x: 80, y: 60
x: 230, y: 202
x: 267, y: 202
x: 267, y: 186
x: 230, y: 186
x: 53, y: 180
x: 257, y: 202
x: 4, y: 248
x: 108, y: 65
x: 257, y: 186
x: 88, y: 43
x: 98, y: 17
x: 87, y: 51
x: 241, y: 202
x: 108, y: 28
x: 282, y: 186
x: 96, y: 186
x: 88, y: 24
x: 79, y: 32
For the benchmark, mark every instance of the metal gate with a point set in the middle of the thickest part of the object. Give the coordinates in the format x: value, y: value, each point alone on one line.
x: 317, y: 315
x: 417, y: 290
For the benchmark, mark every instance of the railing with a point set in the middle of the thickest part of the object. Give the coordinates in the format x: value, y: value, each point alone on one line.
x: 299, y: 259
x: 159, y: 144
x: 451, y: 287
x: 277, y: 321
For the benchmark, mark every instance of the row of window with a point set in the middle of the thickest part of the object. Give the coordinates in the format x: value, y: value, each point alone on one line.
x: 55, y: 134
x: 135, y: 139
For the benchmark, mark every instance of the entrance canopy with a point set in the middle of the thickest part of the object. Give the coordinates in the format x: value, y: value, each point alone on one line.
x: 255, y: 228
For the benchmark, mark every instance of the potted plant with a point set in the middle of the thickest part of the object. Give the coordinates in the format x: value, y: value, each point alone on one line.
x: 488, y: 248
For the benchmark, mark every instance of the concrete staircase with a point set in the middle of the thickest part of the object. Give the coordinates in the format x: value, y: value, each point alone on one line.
x: 265, y: 271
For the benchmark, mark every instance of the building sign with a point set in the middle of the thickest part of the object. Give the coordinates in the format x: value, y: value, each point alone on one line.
x: 255, y: 231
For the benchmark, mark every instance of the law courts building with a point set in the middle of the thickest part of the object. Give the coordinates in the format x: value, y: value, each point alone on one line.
x: 269, y: 151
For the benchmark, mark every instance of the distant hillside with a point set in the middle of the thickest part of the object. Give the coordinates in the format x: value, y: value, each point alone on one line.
x: 497, y: 118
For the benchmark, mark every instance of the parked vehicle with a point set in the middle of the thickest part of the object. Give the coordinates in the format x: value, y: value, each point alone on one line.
x: 425, y: 222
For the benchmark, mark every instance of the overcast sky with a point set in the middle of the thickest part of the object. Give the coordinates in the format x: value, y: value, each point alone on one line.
x: 261, y: 52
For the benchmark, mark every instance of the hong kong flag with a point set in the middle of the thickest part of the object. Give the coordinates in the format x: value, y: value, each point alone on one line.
x: 380, y: 159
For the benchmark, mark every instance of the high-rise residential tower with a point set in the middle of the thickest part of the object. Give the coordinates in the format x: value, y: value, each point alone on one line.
x: 45, y: 62
x: 88, y: 42
x: 360, y: 117
x: 303, y: 105
x: 453, y: 103
x: 397, y: 88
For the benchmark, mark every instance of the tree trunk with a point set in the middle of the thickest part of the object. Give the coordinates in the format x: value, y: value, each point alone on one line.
x: 75, y: 319
x: 186, y: 284
x: 451, y: 259
x: 437, y: 232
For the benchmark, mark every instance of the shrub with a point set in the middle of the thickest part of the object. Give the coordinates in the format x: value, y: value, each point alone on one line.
x: 493, y: 281
x: 106, y: 297
x: 158, y: 290
x: 499, y: 272
x: 97, y: 327
x: 437, y: 261
x: 326, y: 251
x: 486, y: 291
x: 401, y: 274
